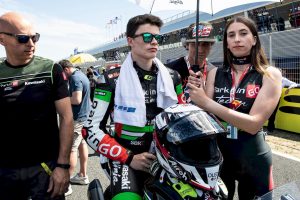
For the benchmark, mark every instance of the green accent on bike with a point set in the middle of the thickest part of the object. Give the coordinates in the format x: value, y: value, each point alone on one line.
x: 127, y: 195
x: 184, y: 189
x: 136, y: 129
x: 102, y: 95
x: 148, y: 77
x: 179, y: 89
x: 127, y: 137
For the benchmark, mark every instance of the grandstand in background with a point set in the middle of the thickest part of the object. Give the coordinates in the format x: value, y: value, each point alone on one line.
x: 278, y: 25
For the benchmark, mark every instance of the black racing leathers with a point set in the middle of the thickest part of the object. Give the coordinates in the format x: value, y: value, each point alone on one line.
x: 125, y: 180
x: 135, y: 139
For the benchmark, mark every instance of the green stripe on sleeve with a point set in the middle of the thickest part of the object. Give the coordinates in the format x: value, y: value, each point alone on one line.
x: 127, y: 137
x: 179, y: 89
x: 138, y: 129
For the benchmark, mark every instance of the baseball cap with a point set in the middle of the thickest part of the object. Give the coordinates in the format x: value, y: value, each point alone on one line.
x: 205, y: 33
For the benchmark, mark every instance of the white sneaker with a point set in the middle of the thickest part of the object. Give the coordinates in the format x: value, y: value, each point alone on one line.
x: 69, y: 192
x: 82, y: 180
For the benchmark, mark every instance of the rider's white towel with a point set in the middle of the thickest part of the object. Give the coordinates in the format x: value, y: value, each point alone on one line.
x: 130, y: 105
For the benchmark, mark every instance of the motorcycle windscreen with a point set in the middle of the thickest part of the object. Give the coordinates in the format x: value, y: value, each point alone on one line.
x: 192, y: 126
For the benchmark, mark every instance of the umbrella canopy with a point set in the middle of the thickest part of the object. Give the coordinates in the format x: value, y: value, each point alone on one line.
x: 82, y: 58
x: 208, y: 6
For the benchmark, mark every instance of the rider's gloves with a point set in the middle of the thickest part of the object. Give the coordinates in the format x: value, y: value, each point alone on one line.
x: 154, y: 167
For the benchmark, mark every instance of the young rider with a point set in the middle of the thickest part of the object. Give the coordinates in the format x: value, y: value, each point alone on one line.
x: 143, y: 89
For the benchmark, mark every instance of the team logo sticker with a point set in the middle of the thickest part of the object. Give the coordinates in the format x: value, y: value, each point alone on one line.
x: 252, y: 91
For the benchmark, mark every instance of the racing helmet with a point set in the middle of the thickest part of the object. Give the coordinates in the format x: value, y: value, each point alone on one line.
x: 186, y: 145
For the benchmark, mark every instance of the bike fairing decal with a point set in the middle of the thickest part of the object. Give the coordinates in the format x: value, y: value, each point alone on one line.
x: 292, y: 98
x: 290, y: 110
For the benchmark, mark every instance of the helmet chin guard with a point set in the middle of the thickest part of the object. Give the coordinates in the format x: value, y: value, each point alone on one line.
x: 186, y: 146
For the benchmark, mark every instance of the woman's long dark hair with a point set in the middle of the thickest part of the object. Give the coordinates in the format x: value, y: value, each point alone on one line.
x: 258, y: 57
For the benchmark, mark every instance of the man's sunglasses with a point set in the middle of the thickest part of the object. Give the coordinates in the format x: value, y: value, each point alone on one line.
x: 23, y: 39
x: 148, y: 37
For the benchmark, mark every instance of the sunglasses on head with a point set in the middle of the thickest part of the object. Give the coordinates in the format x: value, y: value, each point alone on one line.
x: 148, y: 37
x: 23, y: 39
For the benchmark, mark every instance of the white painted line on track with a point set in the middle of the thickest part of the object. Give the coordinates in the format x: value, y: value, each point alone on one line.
x: 286, y: 156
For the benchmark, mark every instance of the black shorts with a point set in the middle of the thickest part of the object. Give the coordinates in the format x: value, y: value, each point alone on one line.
x: 254, y: 176
x: 22, y: 183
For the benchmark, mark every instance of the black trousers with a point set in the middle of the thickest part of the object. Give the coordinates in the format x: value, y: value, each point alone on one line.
x: 24, y: 183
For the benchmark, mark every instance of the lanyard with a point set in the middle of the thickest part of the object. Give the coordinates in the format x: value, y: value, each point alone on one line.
x: 189, y: 67
x: 234, y: 104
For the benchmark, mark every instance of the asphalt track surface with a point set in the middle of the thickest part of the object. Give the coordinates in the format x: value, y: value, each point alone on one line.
x: 285, y: 171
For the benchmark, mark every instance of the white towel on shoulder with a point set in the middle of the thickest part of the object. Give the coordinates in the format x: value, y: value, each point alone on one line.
x: 130, y: 105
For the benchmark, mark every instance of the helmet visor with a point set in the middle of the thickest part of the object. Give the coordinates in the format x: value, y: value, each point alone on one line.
x: 192, y: 126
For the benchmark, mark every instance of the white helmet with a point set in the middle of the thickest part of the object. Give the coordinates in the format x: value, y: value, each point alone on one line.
x: 186, y: 146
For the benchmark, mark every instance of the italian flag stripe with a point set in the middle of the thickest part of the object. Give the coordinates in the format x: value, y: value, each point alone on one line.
x: 179, y: 89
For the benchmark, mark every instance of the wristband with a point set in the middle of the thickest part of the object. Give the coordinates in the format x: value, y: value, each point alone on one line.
x: 129, y: 158
x: 64, y: 166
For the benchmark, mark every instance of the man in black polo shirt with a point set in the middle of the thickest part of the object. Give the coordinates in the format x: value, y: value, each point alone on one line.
x: 34, y: 152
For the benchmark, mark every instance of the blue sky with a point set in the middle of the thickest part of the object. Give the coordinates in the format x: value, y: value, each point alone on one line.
x: 67, y: 24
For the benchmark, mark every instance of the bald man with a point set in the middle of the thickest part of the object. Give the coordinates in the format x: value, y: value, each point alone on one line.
x: 34, y: 152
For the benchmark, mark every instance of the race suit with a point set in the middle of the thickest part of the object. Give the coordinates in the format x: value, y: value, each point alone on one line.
x: 247, y: 158
x: 126, y: 138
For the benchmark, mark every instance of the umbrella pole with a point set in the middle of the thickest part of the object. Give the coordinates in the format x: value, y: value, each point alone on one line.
x: 152, y: 6
x: 197, y: 29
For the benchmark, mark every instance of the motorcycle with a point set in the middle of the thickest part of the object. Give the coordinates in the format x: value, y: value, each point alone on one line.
x: 289, y: 191
x: 188, y: 157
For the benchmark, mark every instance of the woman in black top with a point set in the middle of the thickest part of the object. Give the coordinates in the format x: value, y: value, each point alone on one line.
x: 243, y: 94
